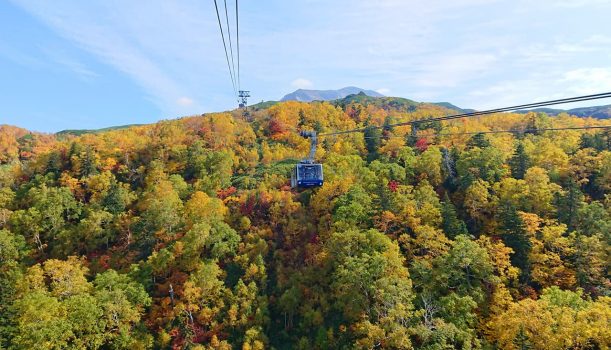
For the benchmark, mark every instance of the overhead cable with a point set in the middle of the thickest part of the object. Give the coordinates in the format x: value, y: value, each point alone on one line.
x: 479, y: 113
x: 218, y: 16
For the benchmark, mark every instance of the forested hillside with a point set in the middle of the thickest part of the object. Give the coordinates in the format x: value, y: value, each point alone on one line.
x: 186, y: 233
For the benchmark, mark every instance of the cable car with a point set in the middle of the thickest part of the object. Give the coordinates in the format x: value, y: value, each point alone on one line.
x: 308, y: 174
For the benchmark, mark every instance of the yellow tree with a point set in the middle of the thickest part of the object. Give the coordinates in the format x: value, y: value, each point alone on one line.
x: 550, y: 256
x: 558, y: 320
x: 541, y: 191
x: 477, y: 200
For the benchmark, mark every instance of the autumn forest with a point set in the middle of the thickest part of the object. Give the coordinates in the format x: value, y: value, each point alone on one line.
x: 186, y: 234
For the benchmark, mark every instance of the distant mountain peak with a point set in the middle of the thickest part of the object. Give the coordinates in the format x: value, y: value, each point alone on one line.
x: 304, y: 95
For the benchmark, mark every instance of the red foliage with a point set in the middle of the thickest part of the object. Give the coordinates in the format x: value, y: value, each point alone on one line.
x: 204, y: 130
x: 314, y: 239
x: 276, y: 127
x: 25, y: 155
x: 199, y: 334
x: 393, y: 185
x: 529, y: 292
x: 352, y: 112
x: 178, y: 340
x: 224, y: 193
x: 104, y: 262
x: 248, y: 207
x: 422, y: 144
x: 174, y: 332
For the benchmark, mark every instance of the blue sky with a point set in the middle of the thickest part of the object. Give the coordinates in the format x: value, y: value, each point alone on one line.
x: 91, y: 64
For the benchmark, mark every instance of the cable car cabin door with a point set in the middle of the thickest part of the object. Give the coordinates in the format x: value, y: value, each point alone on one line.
x: 307, y: 176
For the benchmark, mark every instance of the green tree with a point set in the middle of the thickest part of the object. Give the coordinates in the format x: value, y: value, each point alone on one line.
x: 88, y: 162
x: 594, y: 219
x: 50, y: 211
x: 212, y: 170
x: 522, y: 341
x: 371, y: 287
x: 428, y: 208
x: 451, y: 223
x: 12, y: 250
x: 569, y: 204
x: 480, y: 163
x: 519, y: 162
x: 387, y: 128
x: 449, y: 293
x: 600, y: 141
x: 466, y: 269
x: 122, y: 302
x: 373, y: 141
x: 514, y: 235
x: 41, y: 323
x: 428, y: 165
x: 222, y: 241
x: 478, y: 140
x: 58, y: 308
x: 117, y: 198
x: 591, y: 261
x: 353, y: 209
x: 161, y: 212
x: 54, y: 163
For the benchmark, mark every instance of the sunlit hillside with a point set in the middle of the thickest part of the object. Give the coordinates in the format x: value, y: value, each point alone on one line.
x: 187, y: 234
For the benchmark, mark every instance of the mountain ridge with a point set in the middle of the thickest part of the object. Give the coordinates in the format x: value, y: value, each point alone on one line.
x: 305, y: 95
x: 598, y: 112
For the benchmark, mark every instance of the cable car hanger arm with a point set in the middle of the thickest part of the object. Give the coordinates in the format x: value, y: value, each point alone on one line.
x: 313, y: 144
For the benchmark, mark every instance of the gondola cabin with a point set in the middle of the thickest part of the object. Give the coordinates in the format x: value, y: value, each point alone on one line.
x: 307, y: 175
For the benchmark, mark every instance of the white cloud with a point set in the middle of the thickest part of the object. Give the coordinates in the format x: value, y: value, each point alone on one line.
x: 184, y: 101
x: 451, y: 70
x: 462, y: 51
x: 383, y: 91
x: 18, y: 57
x: 72, y: 64
x: 507, y: 93
x: 135, y: 41
x: 580, y: 3
x: 588, y: 80
x: 599, y: 40
x: 302, y: 83
x: 536, y: 88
